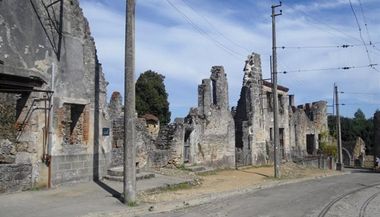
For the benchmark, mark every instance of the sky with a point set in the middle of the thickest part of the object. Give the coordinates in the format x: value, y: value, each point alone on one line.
x: 183, y: 39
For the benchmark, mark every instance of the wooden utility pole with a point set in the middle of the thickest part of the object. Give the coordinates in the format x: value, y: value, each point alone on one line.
x: 276, y: 134
x: 339, y: 164
x: 129, y: 186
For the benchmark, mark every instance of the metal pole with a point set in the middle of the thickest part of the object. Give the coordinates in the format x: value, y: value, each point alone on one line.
x: 129, y: 107
x: 339, y: 164
x: 276, y: 136
x: 50, y: 122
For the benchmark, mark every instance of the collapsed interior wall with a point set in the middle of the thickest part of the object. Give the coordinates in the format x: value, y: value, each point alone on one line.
x: 78, y: 149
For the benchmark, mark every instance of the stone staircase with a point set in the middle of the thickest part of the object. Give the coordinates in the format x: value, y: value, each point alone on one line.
x: 116, y: 174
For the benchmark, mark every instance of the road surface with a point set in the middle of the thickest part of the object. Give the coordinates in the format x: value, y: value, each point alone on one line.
x: 356, y: 195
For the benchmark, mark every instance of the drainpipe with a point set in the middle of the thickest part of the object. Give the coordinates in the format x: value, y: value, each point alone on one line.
x: 50, y: 132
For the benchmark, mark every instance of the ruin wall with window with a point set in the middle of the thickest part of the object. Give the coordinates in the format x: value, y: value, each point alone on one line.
x: 30, y: 51
x: 308, y: 122
x: 254, y: 117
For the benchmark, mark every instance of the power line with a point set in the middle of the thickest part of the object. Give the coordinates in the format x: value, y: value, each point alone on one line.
x: 365, y: 21
x: 325, y: 46
x: 348, y: 104
x: 361, y: 36
x: 213, y: 26
x: 366, y: 27
x: 337, y: 31
x: 205, y: 34
x: 360, y: 31
x: 330, y: 69
x: 358, y: 93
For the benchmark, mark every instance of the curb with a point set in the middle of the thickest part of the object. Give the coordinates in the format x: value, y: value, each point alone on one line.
x: 213, y: 197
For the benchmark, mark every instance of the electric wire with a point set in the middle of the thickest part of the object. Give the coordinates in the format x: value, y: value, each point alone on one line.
x: 337, y: 31
x: 329, y: 69
x: 204, y: 33
x: 324, y: 46
x: 365, y: 22
x: 361, y: 36
x: 358, y: 93
x: 213, y: 27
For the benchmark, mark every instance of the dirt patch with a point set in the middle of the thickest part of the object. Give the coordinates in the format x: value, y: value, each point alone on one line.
x: 229, y: 180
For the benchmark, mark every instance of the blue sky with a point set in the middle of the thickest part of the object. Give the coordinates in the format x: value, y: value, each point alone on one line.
x: 184, y: 40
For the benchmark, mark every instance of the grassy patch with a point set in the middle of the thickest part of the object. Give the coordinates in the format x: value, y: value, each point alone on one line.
x: 208, y: 173
x: 180, y: 186
x: 132, y: 204
x: 182, y: 167
x: 36, y: 188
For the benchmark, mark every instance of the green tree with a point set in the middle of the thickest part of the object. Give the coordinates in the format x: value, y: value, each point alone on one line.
x: 151, y: 96
x: 351, y: 128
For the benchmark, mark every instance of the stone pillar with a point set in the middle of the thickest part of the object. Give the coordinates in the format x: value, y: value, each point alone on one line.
x: 115, y: 105
x: 291, y: 100
x: 204, y: 97
x: 220, y: 87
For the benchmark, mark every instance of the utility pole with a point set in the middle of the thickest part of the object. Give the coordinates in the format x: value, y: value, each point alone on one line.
x: 339, y: 164
x: 129, y: 185
x: 276, y: 132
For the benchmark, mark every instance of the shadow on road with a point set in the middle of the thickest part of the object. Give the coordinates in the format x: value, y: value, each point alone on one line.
x: 360, y: 170
x: 110, y: 190
x: 260, y: 174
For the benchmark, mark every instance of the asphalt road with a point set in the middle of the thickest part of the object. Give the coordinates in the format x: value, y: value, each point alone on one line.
x: 356, y: 195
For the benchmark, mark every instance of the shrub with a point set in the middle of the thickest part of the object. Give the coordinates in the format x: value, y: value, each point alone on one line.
x: 328, y: 149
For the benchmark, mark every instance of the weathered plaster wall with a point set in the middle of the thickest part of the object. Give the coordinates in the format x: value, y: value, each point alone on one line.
x: 78, y: 79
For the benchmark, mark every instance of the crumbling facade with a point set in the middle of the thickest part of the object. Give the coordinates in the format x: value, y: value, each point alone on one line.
x: 209, y: 129
x: 52, y: 97
x: 254, y: 117
x: 254, y: 120
x: 307, y: 124
x: 205, y: 137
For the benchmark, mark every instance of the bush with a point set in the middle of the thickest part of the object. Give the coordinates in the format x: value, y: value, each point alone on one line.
x: 328, y: 149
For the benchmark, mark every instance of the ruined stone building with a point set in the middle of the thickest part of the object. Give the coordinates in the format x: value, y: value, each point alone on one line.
x: 298, y: 127
x: 209, y: 129
x: 205, y: 137
x: 53, y: 110
x: 307, y: 124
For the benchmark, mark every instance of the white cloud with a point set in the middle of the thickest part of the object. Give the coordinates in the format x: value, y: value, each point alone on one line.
x: 170, y: 45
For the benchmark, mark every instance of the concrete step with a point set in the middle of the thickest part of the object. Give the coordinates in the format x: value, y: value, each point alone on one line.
x: 139, y: 176
x: 118, y: 171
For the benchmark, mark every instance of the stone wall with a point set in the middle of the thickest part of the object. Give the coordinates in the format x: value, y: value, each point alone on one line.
x: 376, y: 142
x: 34, y: 58
x: 209, y: 129
x: 308, y: 120
x: 168, y: 147
x: 15, y: 177
x: 75, y: 167
x: 144, y: 143
x: 254, y: 117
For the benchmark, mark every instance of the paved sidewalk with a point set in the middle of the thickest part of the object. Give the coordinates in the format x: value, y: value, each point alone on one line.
x: 76, y: 199
x: 101, y: 199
